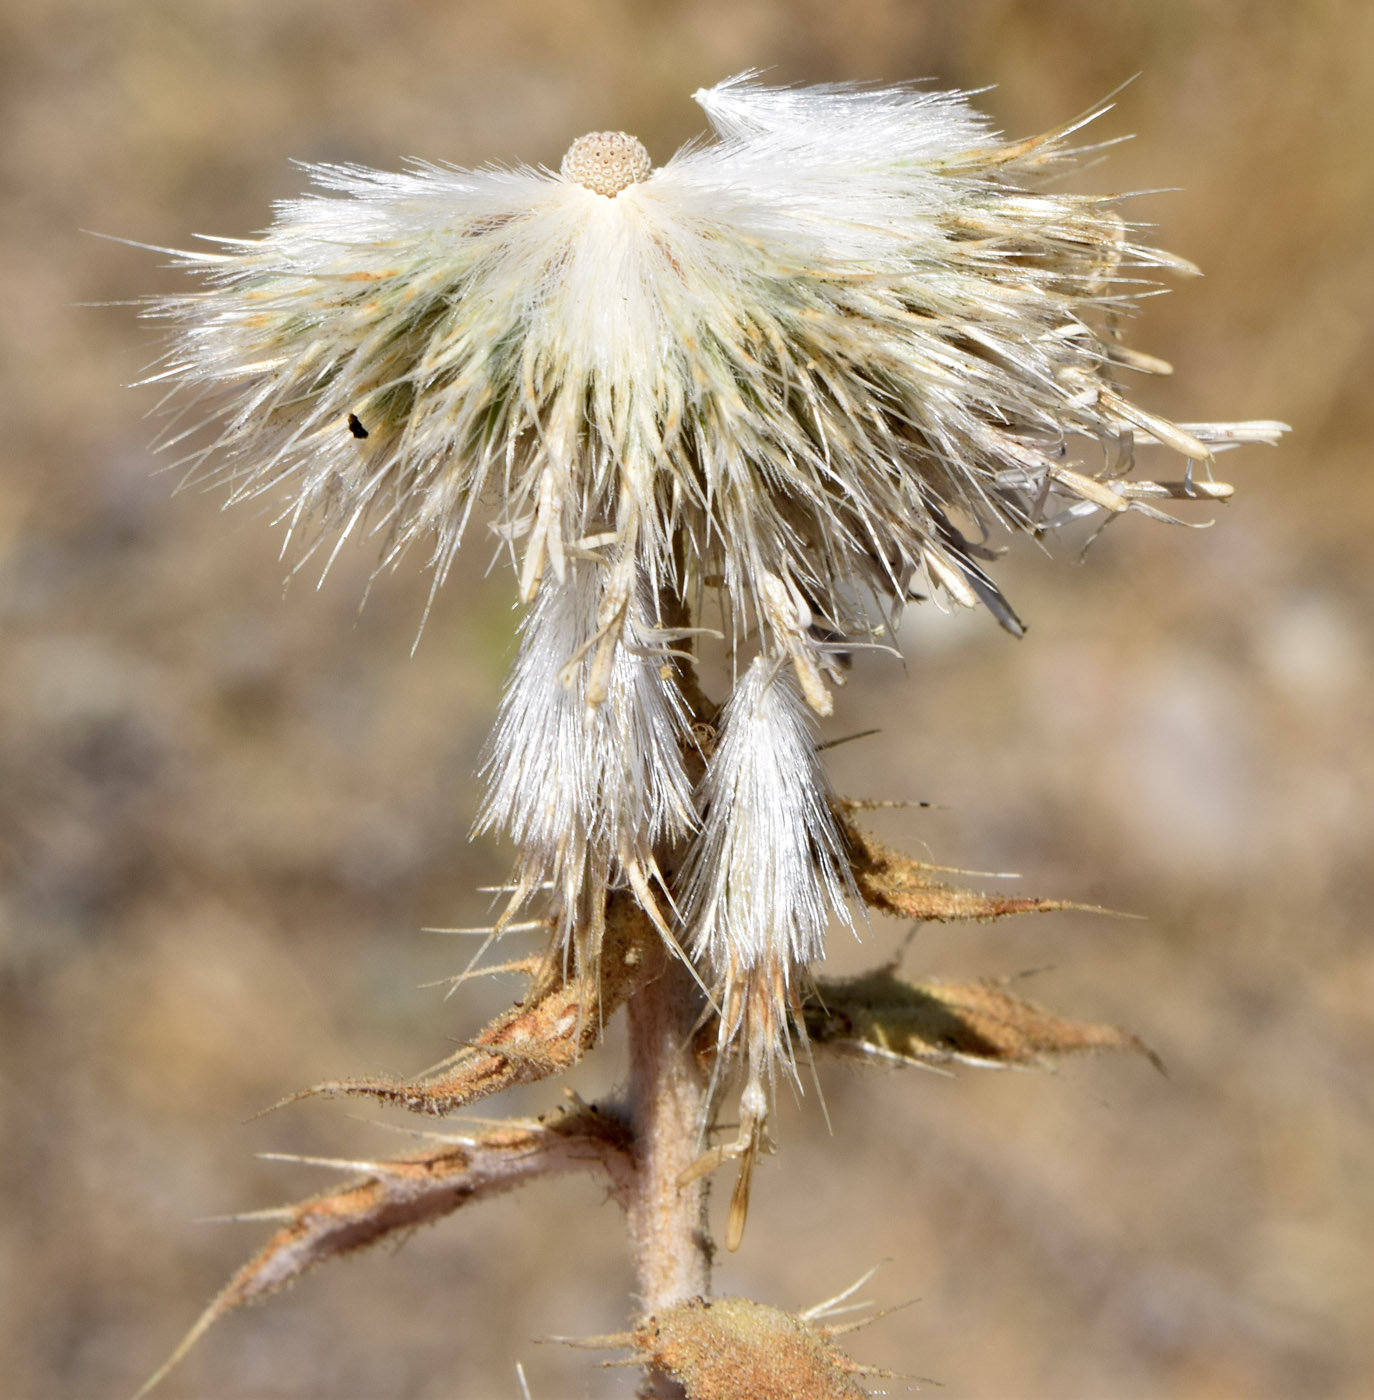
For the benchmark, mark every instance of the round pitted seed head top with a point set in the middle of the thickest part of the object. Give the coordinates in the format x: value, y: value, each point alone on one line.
x: 606, y: 161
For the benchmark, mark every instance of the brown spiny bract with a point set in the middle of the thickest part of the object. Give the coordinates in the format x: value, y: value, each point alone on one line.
x: 732, y: 1348
x: 549, y: 1031
x: 980, y: 1023
x: 896, y: 884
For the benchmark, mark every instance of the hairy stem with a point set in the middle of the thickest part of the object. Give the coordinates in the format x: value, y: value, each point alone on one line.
x: 667, y: 1221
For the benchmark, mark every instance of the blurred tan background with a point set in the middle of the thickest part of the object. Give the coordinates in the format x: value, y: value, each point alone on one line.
x: 225, y: 815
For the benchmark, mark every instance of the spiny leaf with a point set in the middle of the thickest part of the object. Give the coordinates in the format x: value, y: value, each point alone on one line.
x: 547, y: 1032
x: 898, y: 885
x: 978, y: 1023
x: 396, y: 1196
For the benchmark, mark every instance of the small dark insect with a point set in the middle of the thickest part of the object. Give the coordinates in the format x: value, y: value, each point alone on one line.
x: 355, y: 426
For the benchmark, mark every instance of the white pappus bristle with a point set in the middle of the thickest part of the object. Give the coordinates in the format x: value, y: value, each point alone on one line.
x: 767, y: 872
x: 586, y: 791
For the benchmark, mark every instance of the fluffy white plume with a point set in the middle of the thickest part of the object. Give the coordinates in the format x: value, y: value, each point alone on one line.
x: 767, y: 871
x: 766, y: 875
x: 587, y: 791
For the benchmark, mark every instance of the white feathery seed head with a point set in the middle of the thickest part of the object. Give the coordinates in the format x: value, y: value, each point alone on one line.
x: 839, y: 345
x: 807, y: 369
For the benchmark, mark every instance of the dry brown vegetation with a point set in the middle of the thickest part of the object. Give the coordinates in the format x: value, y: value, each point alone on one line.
x: 225, y: 816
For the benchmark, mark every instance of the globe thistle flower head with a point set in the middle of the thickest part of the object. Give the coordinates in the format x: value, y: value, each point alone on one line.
x: 606, y: 162
x: 810, y: 369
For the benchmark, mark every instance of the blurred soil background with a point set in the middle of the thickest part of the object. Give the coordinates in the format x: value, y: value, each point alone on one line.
x: 226, y: 814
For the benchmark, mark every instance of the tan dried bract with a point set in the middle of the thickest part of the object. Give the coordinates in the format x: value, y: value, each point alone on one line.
x: 897, y: 884
x: 729, y: 1348
x: 934, y: 1022
x: 387, y: 1199
x: 547, y: 1032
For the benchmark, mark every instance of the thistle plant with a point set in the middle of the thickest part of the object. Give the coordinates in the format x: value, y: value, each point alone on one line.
x: 745, y: 407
